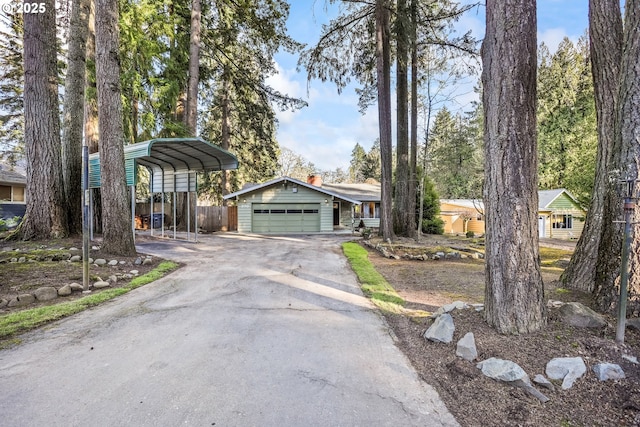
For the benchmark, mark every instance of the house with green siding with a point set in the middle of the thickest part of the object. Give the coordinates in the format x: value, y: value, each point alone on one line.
x: 560, y: 216
x: 288, y: 205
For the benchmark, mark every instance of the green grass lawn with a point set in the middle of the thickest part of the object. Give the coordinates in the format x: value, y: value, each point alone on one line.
x: 25, y: 320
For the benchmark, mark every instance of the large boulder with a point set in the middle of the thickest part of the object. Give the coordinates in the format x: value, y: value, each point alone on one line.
x: 502, y: 370
x: 441, y: 330
x: 580, y: 316
x: 567, y: 369
x: 22, y: 300
x: 46, y: 293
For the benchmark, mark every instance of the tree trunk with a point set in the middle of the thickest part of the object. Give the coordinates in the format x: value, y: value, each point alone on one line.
x: 116, y: 208
x: 46, y: 215
x: 74, y: 113
x: 413, y: 162
x: 630, y: 112
x: 514, y: 290
x: 226, y: 130
x: 400, y: 220
x: 91, y: 112
x: 623, y: 165
x: 194, y: 69
x: 605, y: 31
x: 383, y: 76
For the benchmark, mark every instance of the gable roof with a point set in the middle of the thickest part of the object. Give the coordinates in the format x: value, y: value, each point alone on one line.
x: 11, y: 177
x: 362, y: 192
x: 545, y: 199
x: 258, y: 187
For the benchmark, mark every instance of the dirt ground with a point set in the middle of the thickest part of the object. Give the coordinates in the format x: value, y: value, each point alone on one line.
x: 48, y: 265
x: 476, y: 400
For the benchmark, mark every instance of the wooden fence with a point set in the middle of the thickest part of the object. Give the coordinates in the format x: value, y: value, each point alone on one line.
x: 210, y: 218
x: 218, y: 218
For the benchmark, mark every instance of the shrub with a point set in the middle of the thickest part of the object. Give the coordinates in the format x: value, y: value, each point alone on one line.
x: 470, y: 234
x: 433, y: 226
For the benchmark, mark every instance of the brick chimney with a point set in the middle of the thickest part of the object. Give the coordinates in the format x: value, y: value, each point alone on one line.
x: 315, y: 180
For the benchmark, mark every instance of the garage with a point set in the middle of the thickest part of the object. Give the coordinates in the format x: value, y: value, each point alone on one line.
x: 287, y: 205
x: 285, y: 218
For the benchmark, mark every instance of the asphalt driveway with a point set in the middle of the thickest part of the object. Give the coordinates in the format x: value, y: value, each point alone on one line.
x: 253, y: 331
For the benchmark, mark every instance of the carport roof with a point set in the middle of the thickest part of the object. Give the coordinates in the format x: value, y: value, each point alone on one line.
x: 169, y: 154
x: 285, y: 179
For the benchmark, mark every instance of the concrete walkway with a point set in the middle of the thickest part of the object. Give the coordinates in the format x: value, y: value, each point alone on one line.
x: 253, y: 331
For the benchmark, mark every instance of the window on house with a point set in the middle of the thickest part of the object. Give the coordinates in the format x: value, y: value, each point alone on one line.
x: 562, y: 221
x: 18, y: 194
x: 5, y: 193
x: 370, y: 210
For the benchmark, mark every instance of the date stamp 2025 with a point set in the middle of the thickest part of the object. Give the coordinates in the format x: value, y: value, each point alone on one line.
x: 9, y: 8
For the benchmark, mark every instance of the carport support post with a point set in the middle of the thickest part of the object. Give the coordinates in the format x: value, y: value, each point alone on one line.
x: 133, y: 211
x: 175, y: 211
x: 188, y: 213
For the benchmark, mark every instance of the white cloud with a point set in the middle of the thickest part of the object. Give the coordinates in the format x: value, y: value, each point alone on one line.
x: 552, y: 38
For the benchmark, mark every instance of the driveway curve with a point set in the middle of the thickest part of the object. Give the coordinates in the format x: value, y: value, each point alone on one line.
x: 253, y: 331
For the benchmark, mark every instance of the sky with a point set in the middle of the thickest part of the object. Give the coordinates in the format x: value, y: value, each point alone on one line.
x: 326, y: 131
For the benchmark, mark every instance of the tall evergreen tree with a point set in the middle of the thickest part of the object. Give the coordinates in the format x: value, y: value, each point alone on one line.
x: 605, y: 33
x: 116, y: 210
x: 73, y: 113
x: 45, y: 216
x: 11, y: 89
x: 567, y: 136
x: 624, y: 161
x: 514, y: 296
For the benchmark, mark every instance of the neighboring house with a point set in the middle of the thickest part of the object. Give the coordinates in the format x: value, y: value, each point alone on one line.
x: 559, y: 215
x: 12, y: 193
x: 462, y: 215
x: 287, y: 205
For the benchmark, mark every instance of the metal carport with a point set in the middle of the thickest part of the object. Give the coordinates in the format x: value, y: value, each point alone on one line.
x: 173, y: 164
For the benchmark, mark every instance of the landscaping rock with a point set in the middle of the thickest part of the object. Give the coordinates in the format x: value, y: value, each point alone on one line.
x: 134, y: 272
x: 113, y: 262
x: 95, y: 248
x: 65, y: 291
x: 14, y: 259
x: 3, y: 302
x: 101, y: 284
x: 46, y: 293
x: 608, y: 371
x: 138, y: 261
x: 630, y: 358
x: 502, y: 370
x: 567, y: 369
x: 100, y: 261
x: 75, y: 258
x: 580, y: 316
x: 542, y: 381
x: 466, y: 347
x: 22, y: 259
x: 22, y: 300
x: 74, y: 249
x: 76, y: 287
x: 441, y: 330
x: 112, y: 279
